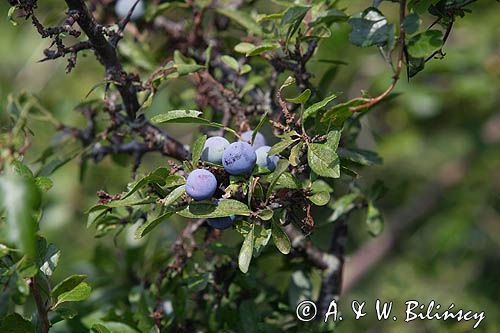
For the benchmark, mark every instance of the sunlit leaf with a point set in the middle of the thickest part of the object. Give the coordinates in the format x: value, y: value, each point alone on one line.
x: 246, y: 251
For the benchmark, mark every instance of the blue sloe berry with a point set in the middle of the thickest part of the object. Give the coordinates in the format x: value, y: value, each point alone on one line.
x: 201, y: 184
x: 259, y: 141
x: 264, y: 160
x: 213, y: 149
x: 221, y: 222
x: 239, y: 158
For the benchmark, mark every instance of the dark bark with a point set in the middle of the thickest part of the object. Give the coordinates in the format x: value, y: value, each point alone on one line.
x: 107, y: 55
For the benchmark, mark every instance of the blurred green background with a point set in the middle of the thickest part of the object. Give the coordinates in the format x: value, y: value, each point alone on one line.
x: 442, y: 134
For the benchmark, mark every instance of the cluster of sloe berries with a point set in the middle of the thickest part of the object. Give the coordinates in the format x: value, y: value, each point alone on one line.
x: 237, y: 158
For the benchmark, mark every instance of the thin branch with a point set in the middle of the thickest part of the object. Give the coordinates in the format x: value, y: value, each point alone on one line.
x: 107, y: 54
x: 331, y: 285
x: 369, y: 102
x: 304, y: 245
x: 445, y: 38
x: 40, y: 306
x: 121, y: 25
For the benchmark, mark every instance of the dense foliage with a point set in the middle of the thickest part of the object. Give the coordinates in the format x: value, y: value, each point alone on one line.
x: 227, y: 67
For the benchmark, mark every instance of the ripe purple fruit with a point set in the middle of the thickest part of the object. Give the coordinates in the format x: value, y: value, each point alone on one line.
x: 239, y: 158
x: 221, y: 222
x: 259, y: 141
x: 201, y: 184
x: 213, y: 149
x: 264, y: 160
x: 122, y: 8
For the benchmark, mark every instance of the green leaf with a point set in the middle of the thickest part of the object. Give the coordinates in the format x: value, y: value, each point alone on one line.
x: 197, y: 148
x: 321, y: 186
x: 246, y: 68
x: 333, y: 139
x: 185, y: 69
x: 158, y: 176
x: 320, y: 31
x: 281, y: 167
x: 286, y: 180
x: 242, y: 19
x: 370, y: 28
x: 377, y: 190
x: 20, y: 198
x: 174, y: 195
x: 95, y: 210
x: 198, y: 282
x: 185, y: 65
x: 54, y: 164
x: 281, y: 145
x: 15, y: 323
x: 342, y: 206
x: 180, y: 116
x: 95, y: 213
x: 411, y: 23
x: 374, y: 220
x: 280, y: 238
x: 67, y: 284
x: 156, y: 10
x: 223, y: 208
x: 259, y: 49
x: 137, y: 54
x: 10, y: 15
x: 340, y: 112
x: 99, y: 328
x: 112, y: 327
x: 294, y: 157
x: 424, y: 43
x: 80, y: 293
x: 421, y: 6
x: 21, y: 170
x: 310, y: 111
x: 67, y: 313
x: 174, y: 180
x: 231, y: 62
x: 360, y: 156
x: 4, y: 249
x: 323, y: 160
x: 244, y: 47
x: 44, y: 183
x: 300, y: 288
x: 144, y: 229
x: 261, y: 123
x: 302, y: 98
x: 288, y: 82
x: 415, y: 65
x: 71, y: 289
x: 50, y: 259
x: 320, y: 198
x: 328, y: 17
x: 246, y: 251
x: 262, y: 236
x: 294, y: 14
x: 265, y: 214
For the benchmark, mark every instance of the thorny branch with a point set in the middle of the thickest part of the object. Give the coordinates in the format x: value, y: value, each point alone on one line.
x: 153, y: 138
